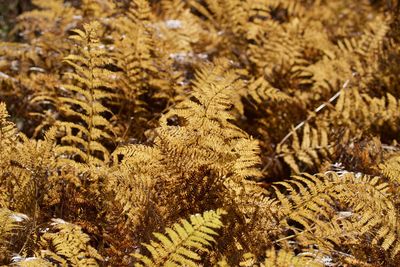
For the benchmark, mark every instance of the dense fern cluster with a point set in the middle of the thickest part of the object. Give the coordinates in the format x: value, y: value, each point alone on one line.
x: 201, y: 133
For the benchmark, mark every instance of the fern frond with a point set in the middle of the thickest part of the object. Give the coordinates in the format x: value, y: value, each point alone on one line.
x: 260, y: 90
x: 293, y: 9
x: 390, y: 168
x: 68, y: 245
x: 283, y: 258
x: 248, y: 160
x: 26, y: 170
x: 229, y: 17
x: 179, y: 24
x: 178, y: 248
x: 356, y: 108
x: 131, y: 180
x: 52, y: 19
x: 274, y: 44
x: 9, y: 223
x: 211, y: 100
x: 31, y: 262
x: 314, y: 146
x: 86, y: 141
x: 248, y: 260
x: 95, y: 9
x: 135, y: 48
x: 8, y: 130
x: 369, y: 43
x: 280, y: 258
x: 315, y: 199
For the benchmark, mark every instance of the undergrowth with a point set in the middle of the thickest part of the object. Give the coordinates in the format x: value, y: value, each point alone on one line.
x: 201, y: 133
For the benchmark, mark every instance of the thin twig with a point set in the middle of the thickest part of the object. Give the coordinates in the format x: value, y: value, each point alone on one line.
x: 6, y: 76
x: 318, y: 109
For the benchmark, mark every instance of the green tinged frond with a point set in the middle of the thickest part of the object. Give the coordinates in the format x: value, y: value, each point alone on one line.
x: 184, y: 239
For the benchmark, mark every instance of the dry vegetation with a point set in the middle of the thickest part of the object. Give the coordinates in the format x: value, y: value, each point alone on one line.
x: 201, y: 133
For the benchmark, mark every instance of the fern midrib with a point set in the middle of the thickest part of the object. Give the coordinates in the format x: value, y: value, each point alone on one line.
x: 91, y: 102
x: 211, y: 99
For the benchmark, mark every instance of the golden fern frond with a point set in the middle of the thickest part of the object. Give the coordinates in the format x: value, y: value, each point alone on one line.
x: 206, y: 126
x: 390, y: 168
x: 357, y: 110
x: 181, y: 29
x: 147, y: 75
x: 253, y: 213
x: 95, y: 8
x: 222, y: 263
x: 316, y: 198
x: 31, y: 262
x: 8, y: 224
x: 272, y: 43
x: 25, y: 167
x: 183, y: 240
x: 258, y: 9
x: 87, y: 141
x: 213, y: 92
x: 248, y: 160
x: 292, y: 8
x: 370, y: 41
x: 170, y: 162
x: 314, y: 146
x: 275, y: 11
x: 8, y: 129
x: 32, y: 164
x: 248, y: 196
x: 48, y: 10
x: 8, y: 135
x: 248, y: 260
x: 15, y: 179
x: 51, y: 14
x: 131, y: 183
x: 202, y: 129
x: 136, y: 157
x: 140, y: 11
x: 284, y: 258
x: 227, y: 17
x: 68, y: 246
x: 172, y: 8
x: 225, y: 23
x: 304, y: 191
x: 236, y: 14
x: 326, y: 75
x: 133, y: 55
x: 44, y: 99
x: 280, y: 258
x: 261, y: 90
